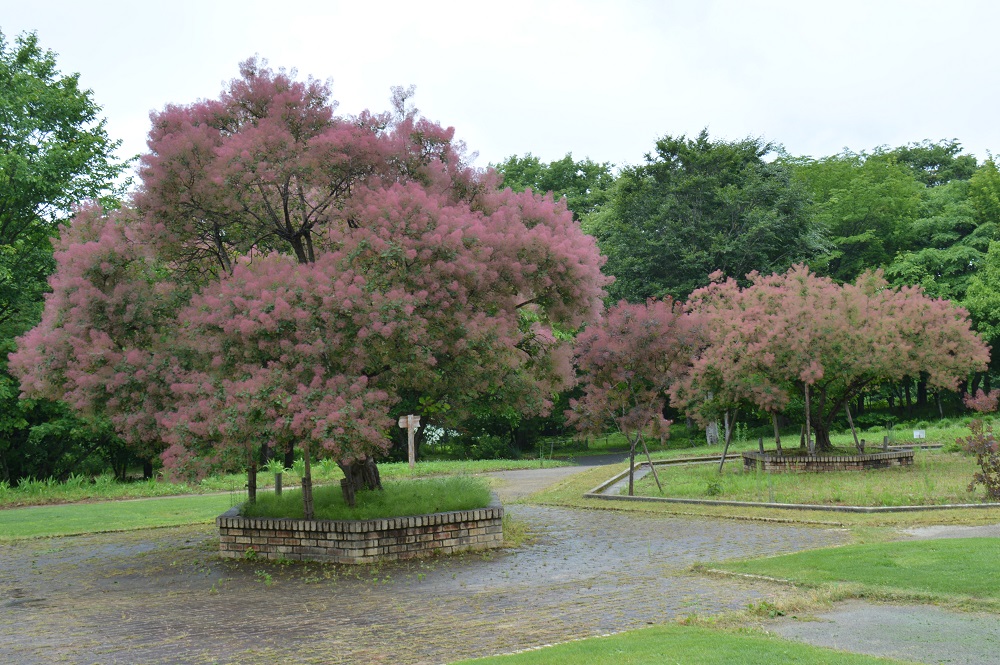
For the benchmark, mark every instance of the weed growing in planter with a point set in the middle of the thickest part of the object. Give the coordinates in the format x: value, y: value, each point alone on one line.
x: 983, y: 444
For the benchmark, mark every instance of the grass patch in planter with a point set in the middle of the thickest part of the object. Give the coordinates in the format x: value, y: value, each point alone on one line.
x: 398, y: 499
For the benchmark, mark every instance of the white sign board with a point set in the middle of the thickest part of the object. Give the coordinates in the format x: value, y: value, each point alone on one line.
x: 919, y: 434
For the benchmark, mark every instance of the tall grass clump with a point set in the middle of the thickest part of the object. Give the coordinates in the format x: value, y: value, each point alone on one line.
x: 398, y: 499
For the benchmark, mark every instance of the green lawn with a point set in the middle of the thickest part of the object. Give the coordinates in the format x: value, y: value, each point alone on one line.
x: 689, y: 645
x: 77, y: 518
x: 935, y: 478
x: 951, y: 568
x: 33, y: 492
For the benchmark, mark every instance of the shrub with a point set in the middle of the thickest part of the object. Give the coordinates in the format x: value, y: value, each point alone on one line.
x: 983, y: 444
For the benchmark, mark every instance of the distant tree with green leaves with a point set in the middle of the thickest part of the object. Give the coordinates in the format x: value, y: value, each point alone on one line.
x: 698, y: 205
x: 866, y: 205
x: 54, y: 153
x: 936, y: 163
x: 583, y: 183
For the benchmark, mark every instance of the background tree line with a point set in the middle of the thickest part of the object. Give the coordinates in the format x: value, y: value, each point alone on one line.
x: 925, y: 214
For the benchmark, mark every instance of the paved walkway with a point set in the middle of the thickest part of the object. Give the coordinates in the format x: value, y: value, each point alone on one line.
x: 162, y: 596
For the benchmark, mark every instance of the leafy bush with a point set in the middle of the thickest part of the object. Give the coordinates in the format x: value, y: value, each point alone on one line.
x: 490, y: 447
x: 983, y: 444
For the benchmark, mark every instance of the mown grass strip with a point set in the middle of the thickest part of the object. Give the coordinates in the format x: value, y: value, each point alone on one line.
x: 33, y: 492
x: 949, y: 568
x: 80, y: 518
x: 682, y: 644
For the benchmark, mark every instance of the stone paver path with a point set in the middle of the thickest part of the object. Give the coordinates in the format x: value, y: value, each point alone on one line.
x: 920, y: 633
x: 162, y: 596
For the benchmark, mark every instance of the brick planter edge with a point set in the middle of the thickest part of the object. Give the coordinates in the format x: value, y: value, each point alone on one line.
x: 361, y: 541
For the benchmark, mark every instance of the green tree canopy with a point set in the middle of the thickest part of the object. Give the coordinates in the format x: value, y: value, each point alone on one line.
x: 583, y: 183
x: 697, y: 206
x: 54, y: 153
x: 865, y: 204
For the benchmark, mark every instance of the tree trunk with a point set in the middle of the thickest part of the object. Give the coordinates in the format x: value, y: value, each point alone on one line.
x: 712, y: 433
x: 937, y: 394
x: 987, y: 386
x: 289, y: 460
x: 252, y: 482
x: 147, y: 469
x: 307, y: 486
x: 809, y: 444
x: 359, y: 475
x: 861, y: 404
x: 777, y: 433
x: 922, y: 390
x: 976, y: 378
x: 907, y: 382
x: 822, y: 443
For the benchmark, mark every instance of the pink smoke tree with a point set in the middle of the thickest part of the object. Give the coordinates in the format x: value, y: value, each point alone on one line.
x: 799, y: 333
x: 319, y: 267
x: 96, y: 345
x: 627, y: 363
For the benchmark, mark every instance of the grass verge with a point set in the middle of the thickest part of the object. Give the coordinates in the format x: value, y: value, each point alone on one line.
x: 33, y: 492
x: 399, y: 498
x: 569, y: 492
x: 75, y: 519
x: 934, y: 478
x: 682, y: 644
x: 953, y: 571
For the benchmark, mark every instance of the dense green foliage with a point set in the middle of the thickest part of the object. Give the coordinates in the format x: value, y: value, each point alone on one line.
x: 54, y: 154
x: 584, y: 183
x: 697, y: 206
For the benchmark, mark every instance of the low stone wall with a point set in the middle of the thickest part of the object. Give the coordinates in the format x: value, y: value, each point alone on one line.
x: 361, y: 541
x: 820, y: 463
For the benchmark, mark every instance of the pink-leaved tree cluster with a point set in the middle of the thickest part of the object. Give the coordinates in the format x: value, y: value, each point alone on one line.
x: 284, y: 274
x: 755, y: 347
x: 628, y: 362
x: 797, y: 333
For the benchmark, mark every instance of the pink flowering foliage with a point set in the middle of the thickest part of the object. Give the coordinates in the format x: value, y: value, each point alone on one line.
x: 783, y: 332
x: 983, y: 402
x: 300, y: 271
x: 627, y: 364
x: 96, y: 346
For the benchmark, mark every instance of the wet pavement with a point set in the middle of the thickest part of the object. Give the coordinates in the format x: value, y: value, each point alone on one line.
x: 163, y: 596
x: 921, y: 633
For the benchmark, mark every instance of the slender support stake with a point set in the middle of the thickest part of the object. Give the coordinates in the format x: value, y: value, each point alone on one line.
x: 729, y: 436
x: 850, y: 421
x: 651, y: 467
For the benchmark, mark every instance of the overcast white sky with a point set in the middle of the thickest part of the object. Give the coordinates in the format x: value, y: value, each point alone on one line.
x: 599, y: 79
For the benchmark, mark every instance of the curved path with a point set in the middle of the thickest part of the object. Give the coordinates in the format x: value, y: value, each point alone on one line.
x: 162, y: 596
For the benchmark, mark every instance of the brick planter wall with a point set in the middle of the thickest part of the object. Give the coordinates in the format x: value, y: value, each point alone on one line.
x: 820, y: 463
x: 361, y: 541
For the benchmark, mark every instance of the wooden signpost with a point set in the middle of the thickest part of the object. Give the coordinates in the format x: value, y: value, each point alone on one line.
x: 410, y: 424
